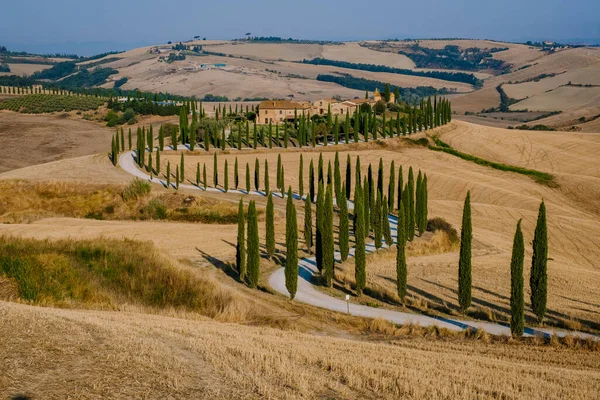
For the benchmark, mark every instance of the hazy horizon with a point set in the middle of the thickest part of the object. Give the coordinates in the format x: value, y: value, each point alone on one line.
x: 67, y: 26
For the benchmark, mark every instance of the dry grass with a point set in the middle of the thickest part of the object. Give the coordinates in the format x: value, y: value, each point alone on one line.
x: 160, y: 356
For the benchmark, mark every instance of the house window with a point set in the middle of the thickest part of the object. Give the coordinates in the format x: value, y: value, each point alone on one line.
x: 342, y: 111
x: 266, y: 120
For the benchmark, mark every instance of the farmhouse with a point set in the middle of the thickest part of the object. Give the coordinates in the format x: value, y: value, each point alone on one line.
x: 276, y: 111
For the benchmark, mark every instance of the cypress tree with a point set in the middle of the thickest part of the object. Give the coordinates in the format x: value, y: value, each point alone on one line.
x: 377, y: 219
x: 464, y: 263
x: 327, y: 237
x: 204, y: 178
x: 424, y: 204
x: 157, y: 162
x: 329, y: 174
x: 366, y: 208
x: 418, y: 203
x: 215, y: 171
x: 149, y: 166
x: 291, y: 245
x: 282, y: 181
x: 360, y: 275
x: 247, y: 178
x: 400, y: 186
x: 392, y: 187
x: 177, y: 178
x: 348, y: 176
x: 236, y: 177
x: 252, y: 246
x: 344, y: 229
x: 517, y: 301
x: 301, y: 177
x: 380, y: 177
x: 538, y: 280
x: 311, y: 181
x: 319, y: 233
x: 182, y: 168
x: 410, y: 233
x: 122, y: 140
x: 240, y: 251
x: 270, y: 226
x: 401, y: 269
x: 320, y: 171
x: 385, y: 221
x: 256, y: 175
x: 308, y: 232
x: 278, y: 182
x: 169, y: 175
x: 337, y: 175
x: 226, y: 177
x: 129, y: 138
x: 197, y: 173
x: 267, y: 185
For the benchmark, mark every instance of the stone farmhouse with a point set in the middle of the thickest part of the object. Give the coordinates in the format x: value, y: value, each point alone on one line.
x: 279, y: 111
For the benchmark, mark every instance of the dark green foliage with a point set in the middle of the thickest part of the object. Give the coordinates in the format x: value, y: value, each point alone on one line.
x: 267, y: 185
x: 300, y: 177
x: 348, y: 176
x: 247, y: 178
x: 538, y: 281
x: 319, y: 232
x: 204, y: 178
x: 392, y: 187
x: 311, y: 181
x: 337, y: 175
x: 377, y: 221
x: 401, y: 269
x: 517, y: 300
x: 169, y: 175
x: 291, y: 245
x: 252, y: 247
x: 240, y: 249
x: 226, y: 177
x: 270, y: 226
x: 385, y: 221
x: 256, y: 175
x: 215, y: 171
x: 308, y: 232
x: 360, y: 274
x: 236, y: 176
x: 197, y: 172
x: 182, y: 168
x: 410, y: 194
x: 344, y: 228
x: 464, y: 262
x: 327, y: 238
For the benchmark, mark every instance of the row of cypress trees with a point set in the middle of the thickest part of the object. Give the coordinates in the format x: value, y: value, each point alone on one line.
x: 538, y: 281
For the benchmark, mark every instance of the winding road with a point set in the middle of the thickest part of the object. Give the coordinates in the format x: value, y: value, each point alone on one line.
x: 309, y: 294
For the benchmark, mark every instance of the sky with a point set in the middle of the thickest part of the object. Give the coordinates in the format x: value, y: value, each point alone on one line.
x: 89, y: 27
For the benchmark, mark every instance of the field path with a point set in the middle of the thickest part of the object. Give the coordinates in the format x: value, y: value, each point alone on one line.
x: 309, y: 294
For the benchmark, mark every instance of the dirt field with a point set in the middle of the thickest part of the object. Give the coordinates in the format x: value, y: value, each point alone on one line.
x: 51, y: 136
x: 24, y: 69
x: 159, y: 356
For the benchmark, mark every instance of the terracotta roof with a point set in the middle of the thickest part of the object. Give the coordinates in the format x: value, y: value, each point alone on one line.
x: 281, y: 105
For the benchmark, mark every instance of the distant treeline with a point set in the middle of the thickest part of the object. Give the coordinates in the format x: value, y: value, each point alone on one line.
x: 408, y: 95
x: 452, y: 57
x: 277, y: 39
x: 447, y: 76
x: 5, y: 52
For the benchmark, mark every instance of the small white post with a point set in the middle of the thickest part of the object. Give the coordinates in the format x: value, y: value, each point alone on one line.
x: 348, y: 303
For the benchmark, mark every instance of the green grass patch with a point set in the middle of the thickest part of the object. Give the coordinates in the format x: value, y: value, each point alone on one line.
x: 543, y: 178
x: 101, y: 273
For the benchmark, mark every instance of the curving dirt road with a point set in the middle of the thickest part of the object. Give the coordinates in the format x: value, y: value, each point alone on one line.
x: 309, y: 294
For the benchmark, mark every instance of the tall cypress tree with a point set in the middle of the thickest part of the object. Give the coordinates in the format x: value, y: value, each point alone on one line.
x: 308, y: 232
x: 328, y: 241
x: 215, y: 171
x: 344, y: 229
x: 377, y: 219
x: 226, y: 177
x: 464, y: 262
x: 252, y: 246
x: 401, y: 269
x: 366, y: 208
x: 320, y: 170
x: 240, y: 250
x: 157, y: 162
x: 278, y: 183
x: 348, y: 176
x: 267, y: 185
x: 400, y: 187
x: 410, y: 233
x: 247, y: 178
x: 204, y: 178
x: 236, y: 176
x: 311, y: 181
x: 291, y: 245
x: 360, y: 275
x: 129, y: 139
x: 197, y: 173
x: 380, y: 177
x: 337, y: 175
x: 256, y: 175
x: 418, y: 203
x: 169, y: 175
x: 517, y: 301
x: 270, y: 226
x: 319, y: 232
x: 392, y: 187
x: 538, y: 281
x: 301, y: 177
x: 385, y: 221
x: 177, y: 178
x: 182, y: 168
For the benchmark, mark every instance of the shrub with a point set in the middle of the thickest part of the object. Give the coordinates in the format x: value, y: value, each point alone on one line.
x: 440, y: 224
x: 155, y: 209
x: 136, y: 189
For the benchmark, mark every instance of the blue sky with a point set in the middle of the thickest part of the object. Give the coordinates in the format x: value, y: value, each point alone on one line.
x: 87, y: 27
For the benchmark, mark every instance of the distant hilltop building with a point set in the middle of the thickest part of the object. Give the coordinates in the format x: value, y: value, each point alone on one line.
x: 278, y: 111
